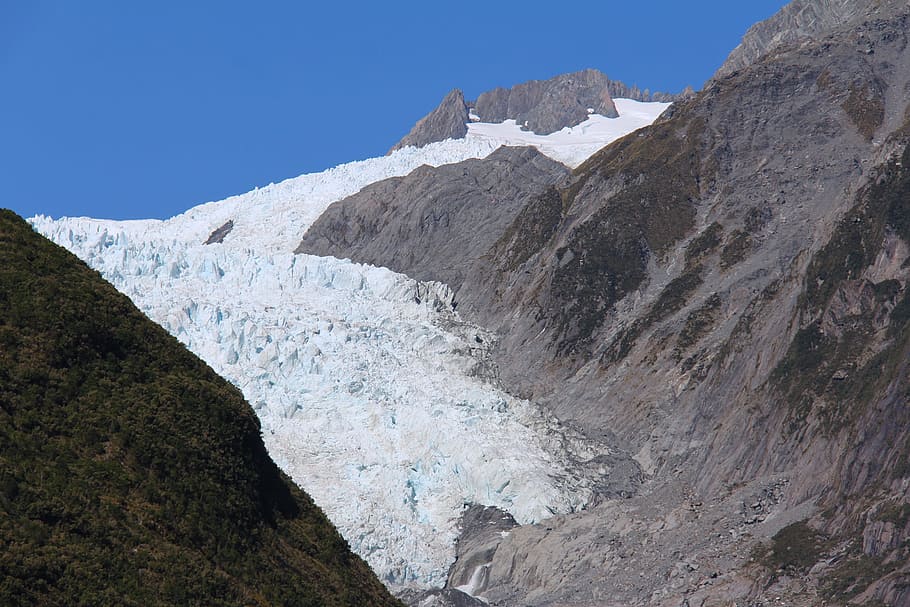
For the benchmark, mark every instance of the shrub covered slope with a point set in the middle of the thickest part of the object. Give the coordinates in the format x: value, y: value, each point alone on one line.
x: 130, y: 473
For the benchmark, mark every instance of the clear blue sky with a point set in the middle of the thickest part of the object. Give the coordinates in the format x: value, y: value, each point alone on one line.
x: 127, y: 109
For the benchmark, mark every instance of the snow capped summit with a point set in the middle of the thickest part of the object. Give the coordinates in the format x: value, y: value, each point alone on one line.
x: 371, y: 390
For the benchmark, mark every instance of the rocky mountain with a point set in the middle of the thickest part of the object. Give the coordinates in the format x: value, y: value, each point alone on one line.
x: 724, y: 298
x: 802, y: 21
x: 676, y: 374
x: 428, y: 209
x: 448, y: 121
x: 374, y: 395
x: 130, y: 473
x: 545, y: 106
x: 540, y: 106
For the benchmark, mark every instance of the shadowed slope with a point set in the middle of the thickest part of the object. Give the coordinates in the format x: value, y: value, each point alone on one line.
x: 130, y: 473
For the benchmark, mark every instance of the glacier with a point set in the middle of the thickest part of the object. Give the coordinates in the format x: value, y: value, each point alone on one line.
x: 373, y: 394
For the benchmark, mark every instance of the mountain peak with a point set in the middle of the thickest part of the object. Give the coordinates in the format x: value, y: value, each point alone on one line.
x: 804, y: 20
x: 546, y: 106
x: 541, y: 106
x: 447, y: 121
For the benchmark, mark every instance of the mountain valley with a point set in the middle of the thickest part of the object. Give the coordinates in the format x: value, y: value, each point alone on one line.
x: 561, y: 347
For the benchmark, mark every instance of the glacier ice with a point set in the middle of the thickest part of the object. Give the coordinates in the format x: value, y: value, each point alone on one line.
x: 367, y: 382
x: 367, y: 398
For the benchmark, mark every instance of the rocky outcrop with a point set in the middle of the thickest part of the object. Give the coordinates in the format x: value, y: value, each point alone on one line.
x: 542, y: 106
x: 447, y: 121
x: 218, y: 234
x: 805, y: 20
x: 448, y: 216
x: 724, y: 296
x: 546, y: 106
x: 620, y: 90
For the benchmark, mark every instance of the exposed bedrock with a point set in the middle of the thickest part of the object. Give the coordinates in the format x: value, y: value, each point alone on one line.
x: 541, y: 106
x: 725, y: 296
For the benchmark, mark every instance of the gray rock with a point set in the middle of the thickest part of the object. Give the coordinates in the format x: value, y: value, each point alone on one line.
x: 803, y: 20
x: 619, y: 90
x: 483, y: 529
x: 217, y: 235
x: 439, y: 597
x: 435, y: 221
x: 447, y: 121
x: 546, y: 106
x: 690, y: 294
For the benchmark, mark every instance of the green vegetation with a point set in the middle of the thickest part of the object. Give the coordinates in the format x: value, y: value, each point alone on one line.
x: 531, y: 230
x: 854, y: 572
x: 672, y: 299
x: 736, y: 249
x: 859, y: 235
x: 851, y: 576
x: 704, y: 244
x: 130, y: 473
x: 756, y: 219
x: 657, y: 176
x: 865, y: 105
x: 807, y: 371
x: 898, y: 514
x: 675, y: 294
x: 698, y: 322
x: 795, y: 548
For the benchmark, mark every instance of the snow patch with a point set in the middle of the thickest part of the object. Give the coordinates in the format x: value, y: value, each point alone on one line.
x: 573, y: 145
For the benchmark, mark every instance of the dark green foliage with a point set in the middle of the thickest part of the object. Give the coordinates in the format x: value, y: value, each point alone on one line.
x: 795, y: 548
x: 902, y: 466
x: 672, y: 299
x: 805, y: 373
x: 853, y: 573
x: 736, y: 249
x: 130, y: 473
x: 851, y: 249
x: 699, y: 322
x: 865, y: 105
x: 674, y: 296
x: 898, y: 514
x: 756, y: 219
x: 865, y: 102
x: 809, y: 372
x: 600, y: 267
x: 810, y: 349
x: 859, y: 235
x: 704, y: 244
x: 530, y: 231
x: 604, y: 258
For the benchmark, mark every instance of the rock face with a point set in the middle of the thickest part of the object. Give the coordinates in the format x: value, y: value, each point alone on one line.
x: 218, y: 234
x: 803, y: 20
x: 621, y: 90
x: 448, y: 121
x: 449, y: 216
x: 542, y: 106
x: 545, y: 106
x: 726, y: 297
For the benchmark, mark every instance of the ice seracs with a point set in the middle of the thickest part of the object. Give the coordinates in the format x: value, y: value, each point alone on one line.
x: 367, y: 398
x: 367, y: 383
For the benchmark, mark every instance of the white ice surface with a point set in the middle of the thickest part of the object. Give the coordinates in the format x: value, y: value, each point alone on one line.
x: 573, y: 145
x: 364, y: 379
